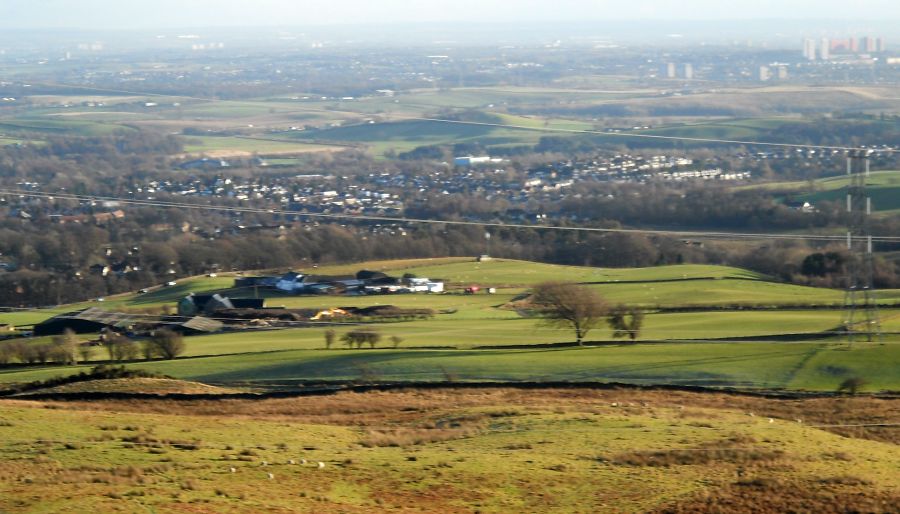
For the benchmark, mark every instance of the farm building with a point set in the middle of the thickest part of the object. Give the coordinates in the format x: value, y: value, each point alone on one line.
x: 86, y: 321
x: 317, y: 284
x: 255, y: 281
x: 471, y: 160
x: 192, y: 305
x: 194, y: 326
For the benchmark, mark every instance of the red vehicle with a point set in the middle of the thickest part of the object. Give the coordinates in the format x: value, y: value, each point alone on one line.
x: 472, y: 289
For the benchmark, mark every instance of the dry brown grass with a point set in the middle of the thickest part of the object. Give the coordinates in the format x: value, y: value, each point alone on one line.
x: 406, y: 407
x: 404, y: 437
x: 773, y: 496
x: 739, y: 450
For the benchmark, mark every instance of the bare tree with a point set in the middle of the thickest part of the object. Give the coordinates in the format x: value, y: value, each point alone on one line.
x: 85, y: 351
x: 396, y: 340
x: 569, y: 305
x: 330, y: 335
x: 65, y: 348
x: 626, y: 322
x: 361, y: 336
x: 120, y: 347
x: 168, y: 344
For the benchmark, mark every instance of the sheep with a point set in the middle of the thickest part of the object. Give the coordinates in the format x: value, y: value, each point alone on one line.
x: 302, y: 462
x: 321, y: 464
x: 291, y: 461
x: 271, y: 476
x: 231, y: 469
x: 264, y: 463
x: 771, y: 420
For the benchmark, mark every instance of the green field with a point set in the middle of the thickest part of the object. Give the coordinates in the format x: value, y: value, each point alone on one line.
x: 882, y: 186
x: 812, y: 366
x: 754, y: 129
x: 220, y: 144
x: 455, y: 337
x: 57, y: 126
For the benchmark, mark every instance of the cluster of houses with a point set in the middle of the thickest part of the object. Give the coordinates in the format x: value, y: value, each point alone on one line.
x: 363, y: 282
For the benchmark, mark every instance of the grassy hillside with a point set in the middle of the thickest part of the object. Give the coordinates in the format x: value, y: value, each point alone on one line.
x: 453, y: 340
x: 882, y: 186
x: 753, y: 129
x: 240, y: 146
x: 58, y: 126
x: 447, y: 451
x: 815, y: 366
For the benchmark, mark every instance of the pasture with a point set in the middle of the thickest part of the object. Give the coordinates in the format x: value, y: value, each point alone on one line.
x: 710, y: 331
x: 234, y: 146
x: 446, y: 450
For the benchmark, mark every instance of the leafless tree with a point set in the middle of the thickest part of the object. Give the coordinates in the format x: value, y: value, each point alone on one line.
x: 568, y: 305
x: 168, y: 344
x: 626, y: 322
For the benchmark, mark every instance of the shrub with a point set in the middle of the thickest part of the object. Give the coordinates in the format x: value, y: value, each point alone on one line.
x: 167, y: 344
x: 852, y: 385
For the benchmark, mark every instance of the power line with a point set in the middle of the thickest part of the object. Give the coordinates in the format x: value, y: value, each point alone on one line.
x: 425, y: 221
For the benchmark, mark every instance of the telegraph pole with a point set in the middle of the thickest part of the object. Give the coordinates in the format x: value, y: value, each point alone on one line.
x: 861, y: 309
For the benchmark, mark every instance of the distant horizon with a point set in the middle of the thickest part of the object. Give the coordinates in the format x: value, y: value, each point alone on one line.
x: 806, y: 21
x: 117, y: 15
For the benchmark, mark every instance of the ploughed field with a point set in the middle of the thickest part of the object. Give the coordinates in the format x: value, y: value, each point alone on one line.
x: 453, y: 450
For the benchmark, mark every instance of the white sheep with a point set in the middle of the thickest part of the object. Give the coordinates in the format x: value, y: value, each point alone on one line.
x: 271, y: 476
x: 303, y: 462
x: 231, y: 469
x: 321, y: 464
x: 291, y: 461
x: 264, y: 463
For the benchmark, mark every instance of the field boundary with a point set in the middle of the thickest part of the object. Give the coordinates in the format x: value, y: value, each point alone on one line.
x: 328, y: 388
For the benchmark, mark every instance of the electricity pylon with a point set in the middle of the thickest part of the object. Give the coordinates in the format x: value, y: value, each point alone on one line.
x: 861, y: 308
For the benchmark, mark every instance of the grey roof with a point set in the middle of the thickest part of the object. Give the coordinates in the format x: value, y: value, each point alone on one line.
x: 201, y: 324
x: 114, y: 319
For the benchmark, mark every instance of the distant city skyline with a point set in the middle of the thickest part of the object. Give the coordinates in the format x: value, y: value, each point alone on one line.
x: 146, y: 14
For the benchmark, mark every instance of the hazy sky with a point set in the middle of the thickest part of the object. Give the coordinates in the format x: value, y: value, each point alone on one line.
x: 113, y: 14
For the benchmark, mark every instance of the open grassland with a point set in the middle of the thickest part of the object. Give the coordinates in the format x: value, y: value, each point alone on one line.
x: 695, y: 339
x: 69, y: 126
x: 664, y: 286
x: 821, y: 366
x: 4, y: 141
x: 448, y: 451
x: 753, y: 129
x: 882, y: 186
x: 230, y: 146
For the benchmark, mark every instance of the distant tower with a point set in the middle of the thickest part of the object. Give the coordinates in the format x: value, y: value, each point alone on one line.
x: 868, y: 44
x: 689, y: 71
x: 861, y: 314
x: 764, y: 73
x: 854, y: 45
x: 782, y: 73
x: 670, y: 70
x: 809, y: 49
x: 825, y: 49
x: 880, y: 46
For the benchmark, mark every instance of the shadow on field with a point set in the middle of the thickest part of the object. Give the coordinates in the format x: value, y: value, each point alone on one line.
x: 425, y: 365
